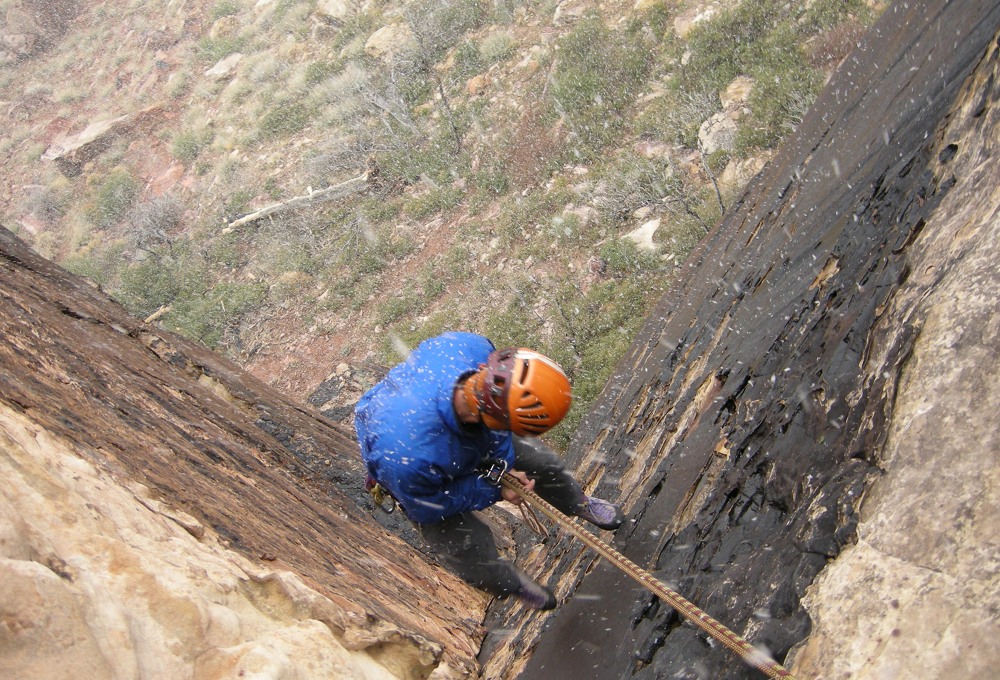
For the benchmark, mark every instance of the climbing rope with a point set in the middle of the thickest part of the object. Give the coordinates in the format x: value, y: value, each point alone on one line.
x: 736, y: 643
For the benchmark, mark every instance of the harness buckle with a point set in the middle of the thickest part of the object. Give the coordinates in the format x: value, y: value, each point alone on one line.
x: 492, y: 470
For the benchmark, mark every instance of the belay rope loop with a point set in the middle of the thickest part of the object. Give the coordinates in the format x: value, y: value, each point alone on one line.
x: 736, y: 643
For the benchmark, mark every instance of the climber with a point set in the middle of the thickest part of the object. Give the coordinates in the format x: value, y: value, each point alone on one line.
x: 441, y: 428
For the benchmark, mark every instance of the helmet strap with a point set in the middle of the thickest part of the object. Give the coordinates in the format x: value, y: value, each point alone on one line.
x: 470, y: 399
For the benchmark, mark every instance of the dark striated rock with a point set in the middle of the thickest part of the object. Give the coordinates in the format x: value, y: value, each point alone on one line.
x: 749, y: 418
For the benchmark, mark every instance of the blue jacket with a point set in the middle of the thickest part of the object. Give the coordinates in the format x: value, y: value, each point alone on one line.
x: 412, y: 441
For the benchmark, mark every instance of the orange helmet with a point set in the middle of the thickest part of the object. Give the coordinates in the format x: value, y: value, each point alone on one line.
x: 519, y: 390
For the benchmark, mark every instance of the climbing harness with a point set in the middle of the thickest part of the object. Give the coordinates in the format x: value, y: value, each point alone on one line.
x: 736, y: 643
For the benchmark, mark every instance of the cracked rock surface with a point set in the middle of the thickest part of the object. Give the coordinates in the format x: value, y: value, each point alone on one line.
x: 803, y: 433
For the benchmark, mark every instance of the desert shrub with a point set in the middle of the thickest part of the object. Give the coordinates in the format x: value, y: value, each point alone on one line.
x: 187, y: 145
x: 99, y: 264
x: 413, y: 157
x: 286, y: 117
x: 229, y: 250
x: 497, y: 47
x: 318, y: 71
x: 595, y: 81
x: 396, y: 306
x: 433, y: 202
x: 211, y: 50
x: 522, y: 216
x: 413, y: 334
x: 517, y: 323
x: 762, y: 39
x: 631, y: 182
x: 148, y: 285
x: 149, y: 221
x: 225, y: 8
x: 594, y: 329
x: 777, y: 103
x: 237, y: 203
x: 209, y: 317
x: 823, y: 15
x: 624, y: 258
x: 433, y: 279
x: 468, y: 62
x: 728, y: 44
x: 113, y: 200
x: 48, y: 203
x: 677, y: 115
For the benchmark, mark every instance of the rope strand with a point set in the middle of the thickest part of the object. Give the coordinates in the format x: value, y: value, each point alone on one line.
x: 736, y: 643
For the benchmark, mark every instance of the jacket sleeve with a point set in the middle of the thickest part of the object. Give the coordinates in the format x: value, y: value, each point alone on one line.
x: 427, y: 495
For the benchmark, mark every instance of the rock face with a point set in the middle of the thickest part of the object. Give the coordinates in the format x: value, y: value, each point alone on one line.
x: 802, y: 434
x: 163, y: 515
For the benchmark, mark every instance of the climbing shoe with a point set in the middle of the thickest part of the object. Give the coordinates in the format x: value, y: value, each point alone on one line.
x: 600, y: 513
x: 534, y: 595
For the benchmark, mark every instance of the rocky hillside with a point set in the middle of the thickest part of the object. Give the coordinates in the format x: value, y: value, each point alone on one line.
x: 493, y: 154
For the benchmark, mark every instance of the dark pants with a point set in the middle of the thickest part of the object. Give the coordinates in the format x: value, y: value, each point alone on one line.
x: 466, y: 543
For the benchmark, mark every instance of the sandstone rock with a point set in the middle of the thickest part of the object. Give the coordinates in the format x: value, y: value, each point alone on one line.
x: 736, y: 93
x: 225, y: 27
x: 477, y: 85
x: 18, y: 45
x: 336, y: 10
x: 684, y: 22
x: 739, y: 171
x: 389, y: 41
x: 643, y: 236
x: 162, y: 510
x: 70, y: 152
x: 224, y: 68
x: 718, y: 133
x: 923, y: 575
x: 569, y: 12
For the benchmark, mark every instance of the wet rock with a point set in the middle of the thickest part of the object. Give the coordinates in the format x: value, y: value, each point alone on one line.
x: 803, y: 397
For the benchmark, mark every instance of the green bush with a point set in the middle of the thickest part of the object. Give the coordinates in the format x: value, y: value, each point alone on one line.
x: 631, y: 182
x: 624, y: 258
x: 286, y: 117
x: 397, y: 306
x: 496, y: 48
x: 115, y: 197
x: 209, y: 317
x: 433, y: 202
x: 762, y: 39
x: 211, y: 50
x: 597, y: 75
x: 318, y: 71
x: 101, y: 264
x: 677, y: 115
x: 225, y: 8
x: 188, y: 144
